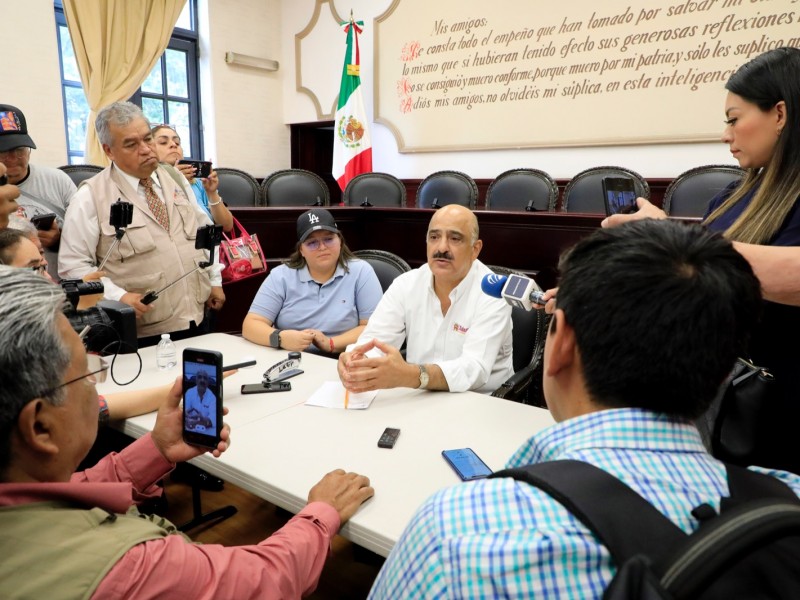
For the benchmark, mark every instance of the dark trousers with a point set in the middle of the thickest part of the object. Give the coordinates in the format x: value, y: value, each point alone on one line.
x: 193, y: 331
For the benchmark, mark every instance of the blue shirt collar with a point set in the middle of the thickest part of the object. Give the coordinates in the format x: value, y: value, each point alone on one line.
x: 631, y: 428
x: 305, y: 276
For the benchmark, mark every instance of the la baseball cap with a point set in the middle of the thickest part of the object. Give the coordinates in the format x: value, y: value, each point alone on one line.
x: 13, y: 129
x: 314, y: 220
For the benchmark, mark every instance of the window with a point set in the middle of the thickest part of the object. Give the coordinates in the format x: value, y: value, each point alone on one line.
x: 170, y: 94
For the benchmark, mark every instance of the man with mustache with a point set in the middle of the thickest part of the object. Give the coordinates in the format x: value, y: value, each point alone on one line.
x: 159, y: 245
x: 457, y: 338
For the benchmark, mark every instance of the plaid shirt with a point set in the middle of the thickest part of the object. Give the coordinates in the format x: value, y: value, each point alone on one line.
x: 500, y: 538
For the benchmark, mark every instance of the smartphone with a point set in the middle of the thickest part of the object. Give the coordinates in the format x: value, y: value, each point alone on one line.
x: 619, y: 194
x: 43, y: 222
x: 202, y: 397
x: 266, y: 388
x: 202, y: 168
x: 466, y: 464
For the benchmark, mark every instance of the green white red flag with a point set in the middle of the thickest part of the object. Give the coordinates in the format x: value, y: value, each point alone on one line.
x: 352, y: 144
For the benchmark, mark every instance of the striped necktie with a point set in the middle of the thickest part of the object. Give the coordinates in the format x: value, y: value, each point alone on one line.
x: 157, y: 207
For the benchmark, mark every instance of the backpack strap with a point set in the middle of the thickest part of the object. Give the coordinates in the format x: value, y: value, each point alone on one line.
x: 625, y: 523
x: 746, y: 485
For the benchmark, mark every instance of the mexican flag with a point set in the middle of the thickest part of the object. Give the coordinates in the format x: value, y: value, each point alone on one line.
x: 352, y: 145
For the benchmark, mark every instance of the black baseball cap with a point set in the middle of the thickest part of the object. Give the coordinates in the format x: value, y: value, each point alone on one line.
x: 13, y: 129
x: 314, y: 220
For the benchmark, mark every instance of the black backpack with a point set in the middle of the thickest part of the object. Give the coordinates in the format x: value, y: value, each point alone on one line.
x: 750, y: 550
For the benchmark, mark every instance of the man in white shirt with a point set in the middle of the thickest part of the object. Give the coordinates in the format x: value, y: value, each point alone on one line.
x: 457, y: 338
x: 158, y: 247
x: 200, y: 405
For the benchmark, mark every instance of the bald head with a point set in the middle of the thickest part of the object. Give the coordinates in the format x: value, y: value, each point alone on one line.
x: 453, y: 213
x: 453, y: 245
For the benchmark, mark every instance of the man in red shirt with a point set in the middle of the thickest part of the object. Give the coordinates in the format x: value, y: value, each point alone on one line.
x: 66, y: 534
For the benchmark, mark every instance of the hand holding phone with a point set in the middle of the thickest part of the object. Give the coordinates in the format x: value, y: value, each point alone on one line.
x: 202, y: 168
x: 202, y: 397
x: 619, y: 194
x: 466, y: 464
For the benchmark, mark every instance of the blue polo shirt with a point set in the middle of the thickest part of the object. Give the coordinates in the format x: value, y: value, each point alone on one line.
x: 291, y: 299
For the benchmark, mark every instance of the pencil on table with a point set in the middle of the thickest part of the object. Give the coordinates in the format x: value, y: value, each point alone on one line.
x: 346, y: 398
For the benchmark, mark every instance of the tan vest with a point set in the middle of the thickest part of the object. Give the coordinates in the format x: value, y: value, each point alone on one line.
x: 53, y: 550
x: 148, y: 257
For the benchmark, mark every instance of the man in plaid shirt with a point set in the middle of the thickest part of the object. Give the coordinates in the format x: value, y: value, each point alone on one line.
x: 650, y: 318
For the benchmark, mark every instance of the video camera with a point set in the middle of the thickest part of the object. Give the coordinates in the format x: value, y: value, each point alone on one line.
x: 112, y: 324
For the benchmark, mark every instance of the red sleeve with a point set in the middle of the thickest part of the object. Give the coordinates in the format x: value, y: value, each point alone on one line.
x: 285, y: 565
x: 141, y: 464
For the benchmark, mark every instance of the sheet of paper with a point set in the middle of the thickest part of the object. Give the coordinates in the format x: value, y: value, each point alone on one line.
x: 331, y: 395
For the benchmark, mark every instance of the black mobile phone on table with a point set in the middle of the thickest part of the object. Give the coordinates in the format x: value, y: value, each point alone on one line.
x: 202, y: 397
x: 43, y: 222
x: 466, y: 464
x: 619, y: 194
x: 266, y: 388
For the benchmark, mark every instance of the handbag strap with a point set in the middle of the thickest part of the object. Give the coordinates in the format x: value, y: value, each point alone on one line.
x: 242, y: 231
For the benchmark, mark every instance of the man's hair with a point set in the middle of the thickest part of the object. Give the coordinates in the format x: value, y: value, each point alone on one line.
x: 33, y: 356
x: 9, y: 240
x: 118, y: 113
x: 660, y: 310
x: 22, y: 224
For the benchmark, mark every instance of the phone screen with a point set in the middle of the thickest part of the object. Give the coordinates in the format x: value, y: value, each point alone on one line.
x: 202, y: 397
x: 466, y: 464
x: 620, y: 195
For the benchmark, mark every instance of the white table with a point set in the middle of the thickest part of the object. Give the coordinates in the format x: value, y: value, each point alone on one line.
x: 281, y: 448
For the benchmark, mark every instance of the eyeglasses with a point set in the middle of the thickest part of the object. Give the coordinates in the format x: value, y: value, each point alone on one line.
x: 97, y: 374
x: 316, y: 243
x: 14, y: 153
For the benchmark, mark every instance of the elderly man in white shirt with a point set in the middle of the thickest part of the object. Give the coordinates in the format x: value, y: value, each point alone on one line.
x: 159, y: 245
x: 457, y: 338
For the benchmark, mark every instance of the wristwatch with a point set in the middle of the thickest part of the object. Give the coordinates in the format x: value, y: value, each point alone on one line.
x: 423, y: 377
x: 275, y: 339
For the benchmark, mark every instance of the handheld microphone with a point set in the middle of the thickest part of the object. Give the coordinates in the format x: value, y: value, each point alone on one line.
x: 516, y: 290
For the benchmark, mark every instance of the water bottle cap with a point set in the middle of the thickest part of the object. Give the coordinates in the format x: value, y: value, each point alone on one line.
x: 164, y: 336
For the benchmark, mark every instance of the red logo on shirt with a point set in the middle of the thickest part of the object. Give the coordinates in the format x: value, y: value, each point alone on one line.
x: 459, y: 329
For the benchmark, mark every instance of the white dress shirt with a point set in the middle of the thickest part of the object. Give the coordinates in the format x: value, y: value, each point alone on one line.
x: 77, y: 252
x: 471, y: 344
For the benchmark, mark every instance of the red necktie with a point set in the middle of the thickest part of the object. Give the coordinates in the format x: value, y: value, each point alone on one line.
x: 157, y: 207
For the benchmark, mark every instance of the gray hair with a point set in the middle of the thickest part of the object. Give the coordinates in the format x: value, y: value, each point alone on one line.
x: 119, y: 113
x: 33, y: 355
x: 22, y: 224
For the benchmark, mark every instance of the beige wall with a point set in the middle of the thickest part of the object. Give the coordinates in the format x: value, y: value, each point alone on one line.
x: 249, y: 131
x: 30, y: 77
x: 247, y: 111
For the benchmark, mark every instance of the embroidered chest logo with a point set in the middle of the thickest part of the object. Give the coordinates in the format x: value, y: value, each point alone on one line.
x: 312, y: 218
x: 460, y: 329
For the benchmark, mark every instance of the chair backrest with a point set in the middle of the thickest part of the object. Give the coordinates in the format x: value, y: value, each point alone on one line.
x: 447, y: 187
x: 529, y: 330
x: 584, y: 193
x: 386, y: 265
x: 375, y: 189
x: 237, y: 188
x: 522, y: 189
x: 295, y: 187
x: 78, y: 173
x: 690, y: 192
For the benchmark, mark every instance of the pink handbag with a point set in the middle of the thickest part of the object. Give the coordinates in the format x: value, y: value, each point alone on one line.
x: 242, y: 255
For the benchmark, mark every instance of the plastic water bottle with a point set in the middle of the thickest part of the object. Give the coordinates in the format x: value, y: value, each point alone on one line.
x: 166, y: 353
